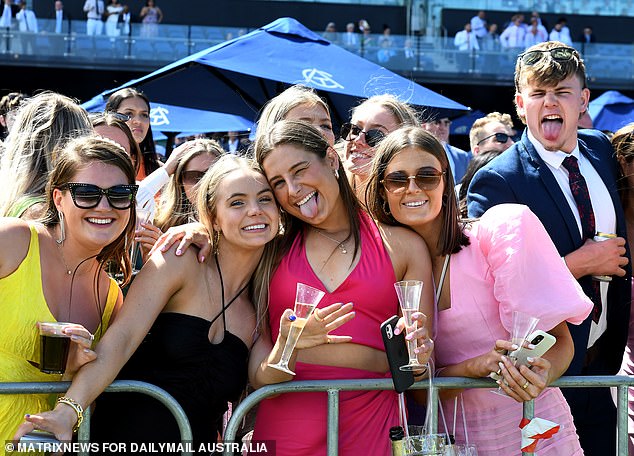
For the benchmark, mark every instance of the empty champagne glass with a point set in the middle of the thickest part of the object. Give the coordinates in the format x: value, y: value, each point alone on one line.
x: 408, y: 292
x: 306, y: 299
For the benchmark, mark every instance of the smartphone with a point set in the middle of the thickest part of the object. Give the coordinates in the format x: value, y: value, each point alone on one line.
x: 542, y: 342
x: 397, y: 355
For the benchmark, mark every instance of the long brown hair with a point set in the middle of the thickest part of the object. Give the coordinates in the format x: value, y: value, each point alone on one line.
x: 452, y: 237
x: 150, y: 161
x: 77, y: 154
x: 307, y: 137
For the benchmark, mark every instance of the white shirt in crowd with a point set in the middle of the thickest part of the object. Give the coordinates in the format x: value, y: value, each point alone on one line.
x: 513, y: 36
x: 465, y: 41
x: 27, y: 22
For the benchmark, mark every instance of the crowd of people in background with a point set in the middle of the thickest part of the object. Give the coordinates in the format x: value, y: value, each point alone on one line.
x: 508, y: 225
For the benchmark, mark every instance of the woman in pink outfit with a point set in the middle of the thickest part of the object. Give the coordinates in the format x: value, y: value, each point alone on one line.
x: 502, y: 262
x: 331, y: 244
x: 623, y: 142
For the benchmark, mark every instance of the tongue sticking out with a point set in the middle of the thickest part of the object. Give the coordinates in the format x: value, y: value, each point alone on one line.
x: 309, y: 208
x: 551, y: 129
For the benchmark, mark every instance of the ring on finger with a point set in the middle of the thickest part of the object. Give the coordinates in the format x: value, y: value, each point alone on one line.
x: 526, y: 384
x: 317, y: 317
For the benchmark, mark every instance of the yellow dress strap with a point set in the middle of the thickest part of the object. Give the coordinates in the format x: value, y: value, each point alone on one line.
x: 111, y: 300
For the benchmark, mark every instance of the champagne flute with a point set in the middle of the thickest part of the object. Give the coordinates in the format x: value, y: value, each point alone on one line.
x: 306, y: 299
x: 408, y: 292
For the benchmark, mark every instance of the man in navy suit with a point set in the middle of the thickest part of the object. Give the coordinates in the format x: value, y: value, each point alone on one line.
x: 458, y: 158
x: 551, y: 95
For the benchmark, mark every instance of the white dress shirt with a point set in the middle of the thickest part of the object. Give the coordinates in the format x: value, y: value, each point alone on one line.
x: 604, y: 215
x: 27, y: 21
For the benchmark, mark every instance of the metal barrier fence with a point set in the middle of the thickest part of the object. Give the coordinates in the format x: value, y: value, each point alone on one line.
x: 119, y: 386
x: 333, y: 387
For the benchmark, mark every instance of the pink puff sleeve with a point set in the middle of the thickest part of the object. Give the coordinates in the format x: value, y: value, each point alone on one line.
x: 529, y: 275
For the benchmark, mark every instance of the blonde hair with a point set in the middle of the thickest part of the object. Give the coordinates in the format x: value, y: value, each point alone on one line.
x: 44, y: 124
x: 476, y: 133
x: 402, y: 112
x: 277, y: 108
x: 206, y: 204
x: 175, y: 209
x: 623, y: 143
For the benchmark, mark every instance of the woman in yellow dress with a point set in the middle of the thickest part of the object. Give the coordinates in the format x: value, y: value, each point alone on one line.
x: 54, y: 270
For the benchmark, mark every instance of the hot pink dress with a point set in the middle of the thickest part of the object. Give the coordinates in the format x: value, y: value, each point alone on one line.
x: 510, y: 265
x: 297, y: 422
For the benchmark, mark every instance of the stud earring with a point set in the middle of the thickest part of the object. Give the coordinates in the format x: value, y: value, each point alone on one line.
x: 337, y: 174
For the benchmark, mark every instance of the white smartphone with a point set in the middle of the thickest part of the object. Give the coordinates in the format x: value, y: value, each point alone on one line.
x: 542, y: 342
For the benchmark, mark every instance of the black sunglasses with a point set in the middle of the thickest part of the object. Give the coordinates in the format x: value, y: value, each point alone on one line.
x: 350, y: 132
x: 559, y: 54
x: 426, y: 179
x: 88, y: 196
x: 192, y: 177
x: 502, y: 138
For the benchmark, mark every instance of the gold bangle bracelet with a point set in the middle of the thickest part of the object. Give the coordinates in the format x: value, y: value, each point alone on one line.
x: 72, y: 403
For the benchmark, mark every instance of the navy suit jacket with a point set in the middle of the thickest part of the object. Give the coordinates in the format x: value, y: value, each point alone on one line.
x: 519, y: 175
x: 460, y: 160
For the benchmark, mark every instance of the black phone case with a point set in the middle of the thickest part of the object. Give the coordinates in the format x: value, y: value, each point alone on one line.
x: 397, y: 355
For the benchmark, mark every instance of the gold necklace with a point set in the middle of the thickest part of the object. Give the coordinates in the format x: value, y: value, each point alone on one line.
x: 68, y: 270
x: 340, y: 244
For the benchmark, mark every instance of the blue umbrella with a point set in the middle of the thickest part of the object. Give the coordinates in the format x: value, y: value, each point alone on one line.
x: 240, y: 75
x: 462, y: 125
x: 168, y: 118
x: 611, y: 111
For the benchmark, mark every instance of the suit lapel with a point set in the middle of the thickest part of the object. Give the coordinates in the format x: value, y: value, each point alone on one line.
x: 538, y: 168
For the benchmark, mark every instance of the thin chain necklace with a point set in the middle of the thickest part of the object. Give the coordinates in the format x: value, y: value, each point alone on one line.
x: 340, y: 244
x: 68, y: 270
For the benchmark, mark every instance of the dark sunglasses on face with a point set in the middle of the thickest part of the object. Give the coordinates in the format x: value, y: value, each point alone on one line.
x: 426, y: 179
x: 88, y: 196
x: 350, y: 132
x: 502, y: 138
x: 559, y: 54
x: 192, y: 177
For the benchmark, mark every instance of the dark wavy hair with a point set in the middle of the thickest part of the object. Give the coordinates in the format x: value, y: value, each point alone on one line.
x: 148, y: 149
x: 452, y: 237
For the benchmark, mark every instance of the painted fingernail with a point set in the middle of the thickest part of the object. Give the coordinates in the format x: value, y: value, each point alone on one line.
x: 179, y: 252
x: 531, y: 346
x: 86, y: 350
x: 499, y: 382
x: 27, y: 416
x: 530, y: 359
x: 501, y: 365
x: 514, y: 347
x: 292, y: 318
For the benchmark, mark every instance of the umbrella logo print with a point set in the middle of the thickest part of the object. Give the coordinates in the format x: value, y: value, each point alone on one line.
x: 320, y: 79
x: 158, y: 116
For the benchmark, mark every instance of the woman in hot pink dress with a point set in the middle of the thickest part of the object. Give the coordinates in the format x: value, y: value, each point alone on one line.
x: 503, y: 262
x: 331, y: 244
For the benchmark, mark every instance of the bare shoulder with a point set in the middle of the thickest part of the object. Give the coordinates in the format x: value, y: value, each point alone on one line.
x: 405, y: 247
x: 401, y: 240
x: 15, y: 237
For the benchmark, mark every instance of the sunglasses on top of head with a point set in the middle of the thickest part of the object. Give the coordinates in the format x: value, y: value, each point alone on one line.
x: 502, y: 138
x: 88, y: 196
x: 426, y: 179
x: 558, y: 54
x: 351, y: 132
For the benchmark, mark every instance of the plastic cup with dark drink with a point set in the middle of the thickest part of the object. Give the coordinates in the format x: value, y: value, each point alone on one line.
x: 54, y: 345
